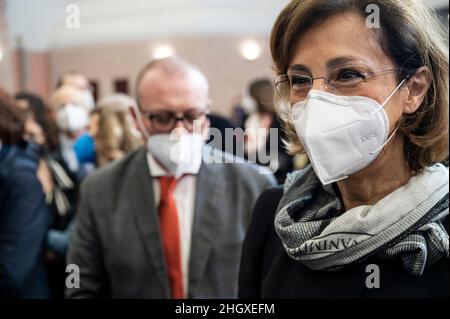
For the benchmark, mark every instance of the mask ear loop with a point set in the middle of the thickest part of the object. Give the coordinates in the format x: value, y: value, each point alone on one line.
x: 387, y: 141
x: 390, y: 96
x: 379, y: 108
x: 407, y: 78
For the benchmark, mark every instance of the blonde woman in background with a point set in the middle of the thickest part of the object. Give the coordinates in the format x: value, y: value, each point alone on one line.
x: 113, y: 128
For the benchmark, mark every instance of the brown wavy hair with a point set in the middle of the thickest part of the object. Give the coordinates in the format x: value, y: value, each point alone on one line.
x: 411, y: 35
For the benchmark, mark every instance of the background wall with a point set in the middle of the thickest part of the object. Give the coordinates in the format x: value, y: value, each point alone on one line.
x: 7, y: 75
x: 218, y: 57
x: 116, y: 38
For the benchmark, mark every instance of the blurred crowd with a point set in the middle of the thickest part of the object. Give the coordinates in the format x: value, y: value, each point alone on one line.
x: 47, y: 149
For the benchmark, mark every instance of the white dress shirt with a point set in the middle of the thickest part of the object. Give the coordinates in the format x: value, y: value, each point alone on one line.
x: 184, y: 195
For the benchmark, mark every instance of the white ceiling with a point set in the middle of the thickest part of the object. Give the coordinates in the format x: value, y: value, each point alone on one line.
x: 41, y: 24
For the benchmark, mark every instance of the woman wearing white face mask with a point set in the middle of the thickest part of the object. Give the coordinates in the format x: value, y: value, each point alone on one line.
x: 369, y: 106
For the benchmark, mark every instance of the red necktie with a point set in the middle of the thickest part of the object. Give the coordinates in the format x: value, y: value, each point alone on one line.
x: 170, y: 231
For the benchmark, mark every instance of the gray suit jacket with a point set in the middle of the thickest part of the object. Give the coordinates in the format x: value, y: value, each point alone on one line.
x: 116, y: 241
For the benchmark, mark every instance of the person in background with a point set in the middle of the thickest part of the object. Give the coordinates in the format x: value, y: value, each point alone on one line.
x: 59, y: 187
x: 258, y: 126
x: 112, y: 134
x: 24, y: 215
x: 71, y: 114
x: 242, y: 106
x: 114, y: 129
x: 80, y: 82
x: 38, y: 126
x: 167, y: 220
x: 222, y: 125
x: 41, y: 135
x: 72, y: 119
x: 369, y: 106
x: 84, y: 146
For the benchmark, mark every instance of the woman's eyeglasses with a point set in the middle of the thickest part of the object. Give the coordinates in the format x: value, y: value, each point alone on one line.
x: 295, y: 86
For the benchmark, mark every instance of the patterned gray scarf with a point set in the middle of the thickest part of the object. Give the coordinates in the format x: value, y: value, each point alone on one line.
x: 406, y: 224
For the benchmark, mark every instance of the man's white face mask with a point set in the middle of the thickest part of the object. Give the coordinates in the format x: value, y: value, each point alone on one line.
x: 341, y: 134
x: 72, y: 118
x: 178, y: 154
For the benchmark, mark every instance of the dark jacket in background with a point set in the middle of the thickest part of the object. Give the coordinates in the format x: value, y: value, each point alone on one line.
x: 268, y: 272
x: 62, y: 222
x: 222, y: 124
x: 278, y: 153
x: 59, y: 234
x: 24, y: 222
x: 285, y: 161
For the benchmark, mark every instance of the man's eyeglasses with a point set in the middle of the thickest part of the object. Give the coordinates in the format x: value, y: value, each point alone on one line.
x: 166, y: 121
x: 295, y: 86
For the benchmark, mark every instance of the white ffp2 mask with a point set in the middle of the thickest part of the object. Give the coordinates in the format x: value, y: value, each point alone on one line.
x: 72, y: 118
x: 179, y: 155
x: 341, y: 134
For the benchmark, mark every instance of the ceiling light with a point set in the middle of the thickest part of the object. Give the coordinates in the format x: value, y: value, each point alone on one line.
x: 163, y: 51
x: 251, y: 50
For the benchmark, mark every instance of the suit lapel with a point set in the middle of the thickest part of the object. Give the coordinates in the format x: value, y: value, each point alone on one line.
x: 207, y: 209
x: 142, y: 202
